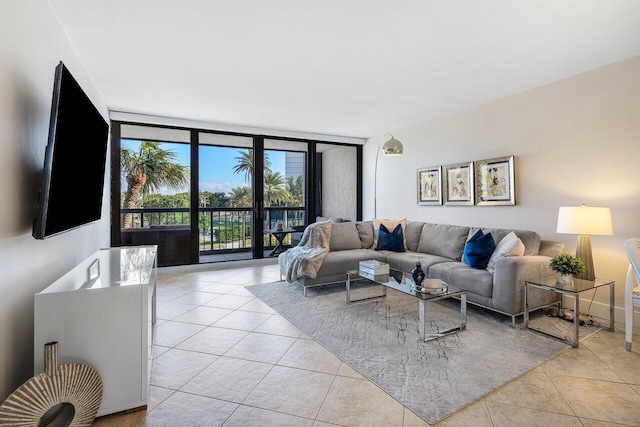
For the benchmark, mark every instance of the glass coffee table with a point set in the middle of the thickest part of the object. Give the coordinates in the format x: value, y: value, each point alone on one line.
x: 402, y: 282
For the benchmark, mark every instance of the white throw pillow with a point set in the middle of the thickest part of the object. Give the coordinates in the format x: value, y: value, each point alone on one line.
x: 510, y: 245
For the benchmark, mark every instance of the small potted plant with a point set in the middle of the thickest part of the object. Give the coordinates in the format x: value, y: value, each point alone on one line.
x: 566, y: 266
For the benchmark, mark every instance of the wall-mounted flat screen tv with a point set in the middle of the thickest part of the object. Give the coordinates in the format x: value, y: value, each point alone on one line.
x: 75, y: 159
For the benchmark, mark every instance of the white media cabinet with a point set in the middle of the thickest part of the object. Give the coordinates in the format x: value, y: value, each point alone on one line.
x: 104, y: 317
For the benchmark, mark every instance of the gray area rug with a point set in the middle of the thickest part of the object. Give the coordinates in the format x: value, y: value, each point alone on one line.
x: 379, y: 339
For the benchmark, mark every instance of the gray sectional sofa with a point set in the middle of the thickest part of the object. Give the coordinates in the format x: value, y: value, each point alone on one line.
x: 439, y: 247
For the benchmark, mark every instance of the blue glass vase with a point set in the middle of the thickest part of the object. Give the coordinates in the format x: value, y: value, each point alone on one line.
x: 417, y: 274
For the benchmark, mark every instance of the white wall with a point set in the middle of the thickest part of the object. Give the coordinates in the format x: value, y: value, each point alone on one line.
x: 33, y: 42
x: 339, y: 183
x: 575, y: 141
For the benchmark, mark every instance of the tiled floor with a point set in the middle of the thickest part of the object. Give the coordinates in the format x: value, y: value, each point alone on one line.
x: 225, y: 358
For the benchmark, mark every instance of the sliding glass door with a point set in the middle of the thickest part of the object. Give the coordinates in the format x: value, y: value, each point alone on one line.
x: 205, y: 196
x: 226, y: 202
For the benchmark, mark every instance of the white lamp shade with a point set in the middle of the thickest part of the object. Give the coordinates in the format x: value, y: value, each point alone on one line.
x: 585, y: 220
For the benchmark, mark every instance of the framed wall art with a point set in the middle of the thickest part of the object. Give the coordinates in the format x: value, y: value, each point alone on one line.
x: 458, y: 184
x: 495, y: 183
x: 429, y: 186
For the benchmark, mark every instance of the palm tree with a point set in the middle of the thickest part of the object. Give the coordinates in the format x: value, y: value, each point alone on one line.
x: 240, y: 197
x: 147, y: 171
x: 275, y: 190
x: 245, y: 164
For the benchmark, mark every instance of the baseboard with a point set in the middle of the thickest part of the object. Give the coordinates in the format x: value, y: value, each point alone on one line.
x: 600, y: 310
x: 217, y: 265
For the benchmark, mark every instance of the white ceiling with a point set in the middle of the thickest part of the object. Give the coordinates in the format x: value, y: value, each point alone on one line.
x: 339, y: 67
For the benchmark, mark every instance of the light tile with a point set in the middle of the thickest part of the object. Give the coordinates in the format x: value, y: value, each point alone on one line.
x: 213, y: 340
x: 243, y: 320
x: 182, y: 409
x: 323, y: 424
x: 176, y: 367
x: 261, y: 347
x: 158, y: 350
x: 579, y: 362
x: 241, y: 291
x: 170, y: 334
x: 168, y: 293
x: 600, y: 400
x: 246, y: 416
x: 595, y: 423
x: 195, y: 298
x: 203, y: 315
x: 307, y: 354
x: 211, y: 275
x: 228, y: 379
x: 412, y: 420
x: 231, y: 302
x: 291, y: 391
x: 278, y: 325
x: 533, y: 391
x: 509, y: 416
x: 347, y: 371
x: 258, y: 306
x: 607, y: 345
x: 171, y: 310
x: 476, y: 415
x: 220, y: 288
x: 359, y: 402
x: 157, y: 395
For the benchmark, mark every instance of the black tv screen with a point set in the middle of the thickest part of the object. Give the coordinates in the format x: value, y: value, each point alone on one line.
x: 75, y: 158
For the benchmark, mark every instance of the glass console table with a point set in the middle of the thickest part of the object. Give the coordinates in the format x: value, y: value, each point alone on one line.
x: 574, y: 290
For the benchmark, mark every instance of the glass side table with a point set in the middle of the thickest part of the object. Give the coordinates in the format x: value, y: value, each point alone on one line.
x: 572, y: 289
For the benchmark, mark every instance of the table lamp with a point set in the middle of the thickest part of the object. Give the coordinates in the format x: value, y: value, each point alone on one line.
x: 585, y: 221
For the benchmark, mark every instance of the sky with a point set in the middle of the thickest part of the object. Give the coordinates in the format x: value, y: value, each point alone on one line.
x: 216, y: 164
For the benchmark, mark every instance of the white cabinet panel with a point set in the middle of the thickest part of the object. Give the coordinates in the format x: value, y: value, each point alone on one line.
x: 105, y: 322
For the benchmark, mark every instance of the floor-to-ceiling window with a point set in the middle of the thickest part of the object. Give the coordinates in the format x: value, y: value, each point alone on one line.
x: 155, y: 190
x: 215, y: 196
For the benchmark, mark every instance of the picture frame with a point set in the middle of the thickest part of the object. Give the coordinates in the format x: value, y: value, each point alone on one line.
x: 495, y: 181
x: 429, y: 183
x: 458, y: 185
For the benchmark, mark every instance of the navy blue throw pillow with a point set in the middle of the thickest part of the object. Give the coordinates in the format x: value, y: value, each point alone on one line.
x: 478, y: 250
x: 391, y: 241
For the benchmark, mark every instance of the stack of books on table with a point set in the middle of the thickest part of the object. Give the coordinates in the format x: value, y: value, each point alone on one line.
x: 371, y: 268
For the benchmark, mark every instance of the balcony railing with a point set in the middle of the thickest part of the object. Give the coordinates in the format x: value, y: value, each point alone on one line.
x: 220, y: 229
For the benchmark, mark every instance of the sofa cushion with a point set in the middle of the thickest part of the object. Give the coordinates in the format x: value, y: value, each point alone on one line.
x: 390, y: 240
x: 530, y: 239
x: 412, y: 236
x: 406, y: 261
x: 390, y: 224
x: 443, y: 240
x: 551, y: 248
x: 478, y: 250
x: 329, y: 218
x: 339, y: 262
x: 344, y: 235
x: 365, y: 231
x: 461, y: 276
x: 510, y: 245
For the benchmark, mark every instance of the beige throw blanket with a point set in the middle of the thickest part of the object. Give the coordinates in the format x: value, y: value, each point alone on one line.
x: 306, y: 259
